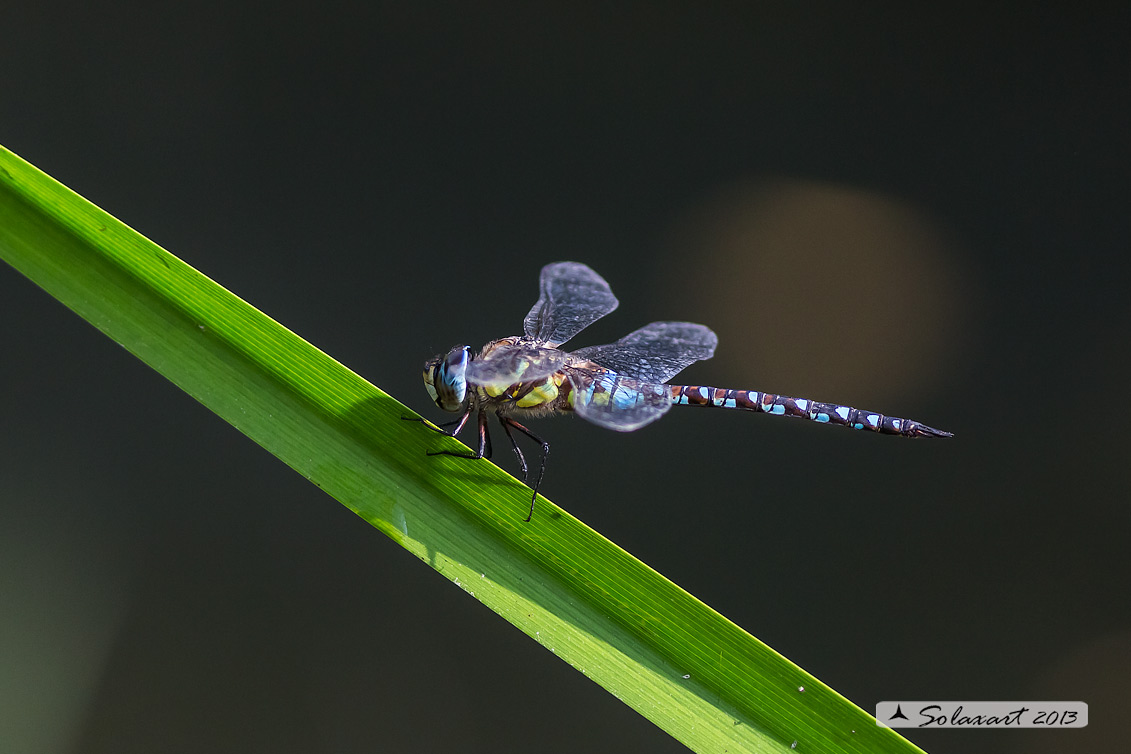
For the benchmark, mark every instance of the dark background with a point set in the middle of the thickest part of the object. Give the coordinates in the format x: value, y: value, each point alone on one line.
x: 921, y: 213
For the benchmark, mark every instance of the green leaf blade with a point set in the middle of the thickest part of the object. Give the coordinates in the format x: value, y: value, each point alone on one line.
x: 651, y: 644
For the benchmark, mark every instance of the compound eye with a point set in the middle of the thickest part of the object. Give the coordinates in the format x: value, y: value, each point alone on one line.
x: 455, y: 363
x: 449, y: 379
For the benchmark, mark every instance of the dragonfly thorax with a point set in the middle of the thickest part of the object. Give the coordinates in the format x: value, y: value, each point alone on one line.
x: 445, y: 378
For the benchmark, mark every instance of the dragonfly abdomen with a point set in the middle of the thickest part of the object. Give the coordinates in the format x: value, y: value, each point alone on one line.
x: 784, y: 405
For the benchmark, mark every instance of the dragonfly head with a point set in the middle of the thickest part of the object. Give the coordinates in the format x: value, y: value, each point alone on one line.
x: 445, y: 378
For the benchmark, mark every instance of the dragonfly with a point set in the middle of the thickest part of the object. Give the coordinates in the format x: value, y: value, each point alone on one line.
x: 621, y: 386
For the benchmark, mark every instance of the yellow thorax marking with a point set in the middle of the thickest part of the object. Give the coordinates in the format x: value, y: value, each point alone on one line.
x: 543, y: 393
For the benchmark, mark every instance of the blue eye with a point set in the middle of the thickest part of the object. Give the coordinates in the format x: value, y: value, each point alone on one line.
x: 446, y: 378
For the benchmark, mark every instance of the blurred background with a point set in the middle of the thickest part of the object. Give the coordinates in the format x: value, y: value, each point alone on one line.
x: 918, y: 212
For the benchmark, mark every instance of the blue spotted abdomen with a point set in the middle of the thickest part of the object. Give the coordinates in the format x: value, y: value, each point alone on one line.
x: 783, y: 405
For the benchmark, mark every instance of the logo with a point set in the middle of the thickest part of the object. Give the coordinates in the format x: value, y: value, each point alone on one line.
x: 982, y: 714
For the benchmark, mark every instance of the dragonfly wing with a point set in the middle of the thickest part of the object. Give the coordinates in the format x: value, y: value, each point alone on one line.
x: 507, y: 365
x: 572, y: 298
x: 615, y: 401
x: 656, y: 352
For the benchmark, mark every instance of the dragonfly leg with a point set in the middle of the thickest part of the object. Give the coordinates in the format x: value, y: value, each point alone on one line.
x: 484, y: 449
x: 439, y: 426
x: 460, y: 421
x: 508, y: 423
x: 517, y: 451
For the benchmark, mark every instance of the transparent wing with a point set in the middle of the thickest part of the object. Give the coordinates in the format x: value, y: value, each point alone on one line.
x: 510, y: 364
x: 615, y: 401
x: 572, y: 298
x: 656, y: 352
